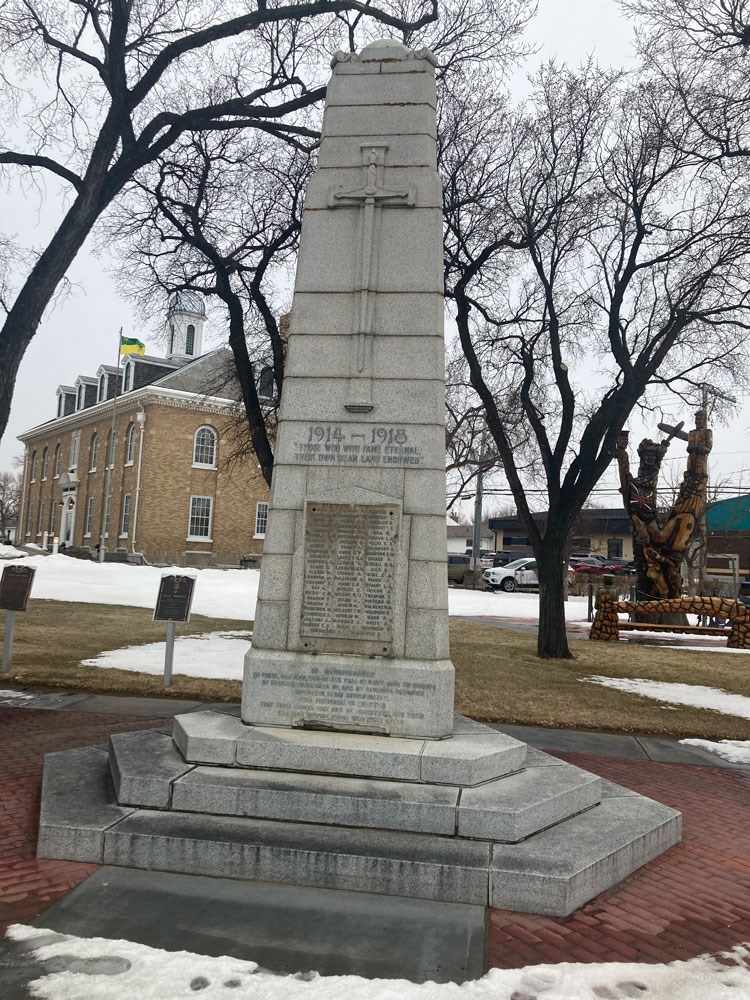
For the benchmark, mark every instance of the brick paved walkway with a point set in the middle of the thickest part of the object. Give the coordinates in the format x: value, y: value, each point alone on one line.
x: 694, y: 899
x: 691, y: 900
x: 28, y: 885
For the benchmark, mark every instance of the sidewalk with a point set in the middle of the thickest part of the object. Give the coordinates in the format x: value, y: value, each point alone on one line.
x: 692, y: 900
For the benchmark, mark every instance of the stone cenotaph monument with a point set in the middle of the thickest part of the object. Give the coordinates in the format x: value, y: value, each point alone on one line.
x: 347, y: 769
x: 351, y: 627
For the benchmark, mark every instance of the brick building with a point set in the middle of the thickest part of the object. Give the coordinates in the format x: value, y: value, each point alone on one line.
x: 154, y: 482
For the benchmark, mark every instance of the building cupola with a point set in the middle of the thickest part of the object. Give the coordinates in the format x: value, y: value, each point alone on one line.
x: 185, y: 318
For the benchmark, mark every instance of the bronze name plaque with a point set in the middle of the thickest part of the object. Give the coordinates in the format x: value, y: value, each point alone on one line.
x: 15, y: 587
x: 350, y: 567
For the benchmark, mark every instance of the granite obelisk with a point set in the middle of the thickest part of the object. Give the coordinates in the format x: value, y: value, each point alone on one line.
x: 351, y: 628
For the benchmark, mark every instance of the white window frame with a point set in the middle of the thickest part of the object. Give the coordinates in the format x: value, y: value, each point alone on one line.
x: 75, y: 448
x: 130, y: 445
x: 101, y: 393
x: 29, y: 519
x: 81, y: 396
x: 61, y: 404
x: 128, y: 374
x: 89, y: 517
x: 45, y: 463
x: 107, y: 512
x: 125, y: 516
x: 58, y: 461
x: 40, y: 518
x: 192, y: 515
x: 205, y: 465
x: 32, y: 477
x: 94, y: 452
x: 261, y: 519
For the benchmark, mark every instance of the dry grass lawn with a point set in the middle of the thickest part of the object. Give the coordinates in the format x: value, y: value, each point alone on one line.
x: 498, y: 676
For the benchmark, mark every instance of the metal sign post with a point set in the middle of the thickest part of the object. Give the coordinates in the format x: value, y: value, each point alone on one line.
x: 173, y: 605
x: 15, y: 587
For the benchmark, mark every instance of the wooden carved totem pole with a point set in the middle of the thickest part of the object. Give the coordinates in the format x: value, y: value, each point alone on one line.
x: 659, y: 543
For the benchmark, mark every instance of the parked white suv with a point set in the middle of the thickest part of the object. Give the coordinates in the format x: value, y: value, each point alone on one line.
x: 519, y: 572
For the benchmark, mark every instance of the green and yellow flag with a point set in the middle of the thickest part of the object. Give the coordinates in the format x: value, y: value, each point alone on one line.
x: 128, y: 345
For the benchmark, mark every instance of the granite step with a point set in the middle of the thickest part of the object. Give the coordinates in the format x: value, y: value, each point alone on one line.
x: 552, y: 872
x: 474, y: 754
x: 148, y: 771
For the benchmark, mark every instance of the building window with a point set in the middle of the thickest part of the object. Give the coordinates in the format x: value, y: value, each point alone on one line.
x: 29, y: 519
x: 171, y: 338
x: 81, y: 397
x: 130, y: 445
x: 199, y: 528
x: 128, y: 376
x: 125, y: 522
x: 89, y: 517
x: 33, y: 466
x: 261, y: 519
x: 75, y: 445
x: 614, y: 548
x: 58, y: 461
x: 61, y: 404
x: 190, y: 340
x: 94, y: 455
x: 111, y: 443
x: 510, y: 540
x: 45, y: 463
x: 102, y: 393
x: 40, y: 520
x: 266, y: 384
x: 204, y: 448
x: 107, y: 506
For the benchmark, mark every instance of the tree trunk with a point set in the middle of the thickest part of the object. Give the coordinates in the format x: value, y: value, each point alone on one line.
x: 552, y: 639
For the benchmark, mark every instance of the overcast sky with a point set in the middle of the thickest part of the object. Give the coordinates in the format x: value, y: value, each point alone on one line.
x: 80, y: 333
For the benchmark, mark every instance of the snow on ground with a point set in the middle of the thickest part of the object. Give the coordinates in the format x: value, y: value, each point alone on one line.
x: 696, y: 695
x: 98, y: 969
x: 14, y: 697
x: 229, y: 593
x: 214, y: 655
x: 736, y: 751
x: 10, y: 552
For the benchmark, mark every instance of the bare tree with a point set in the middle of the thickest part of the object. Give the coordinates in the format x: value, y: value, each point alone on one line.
x: 221, y: 215
x: 115, y: 83
x: 10, y: 498
x: 589, y: 256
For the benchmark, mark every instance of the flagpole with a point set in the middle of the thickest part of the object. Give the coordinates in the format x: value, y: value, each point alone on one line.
x: 110, y: 446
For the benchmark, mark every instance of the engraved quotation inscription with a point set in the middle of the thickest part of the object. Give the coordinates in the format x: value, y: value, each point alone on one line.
x: 361, y: 695
x: 337, y: 444
x: 350, y: 563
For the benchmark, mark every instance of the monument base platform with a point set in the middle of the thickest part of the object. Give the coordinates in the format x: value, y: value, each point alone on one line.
x: 478, y: 818
x: 389, y: 696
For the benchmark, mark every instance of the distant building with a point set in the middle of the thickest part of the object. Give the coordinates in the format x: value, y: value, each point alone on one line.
x: 156, y: 485
x: 606, y: 532
x: 461, y: 537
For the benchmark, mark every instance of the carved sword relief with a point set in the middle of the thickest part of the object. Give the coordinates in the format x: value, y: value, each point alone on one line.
x: 372, y: 197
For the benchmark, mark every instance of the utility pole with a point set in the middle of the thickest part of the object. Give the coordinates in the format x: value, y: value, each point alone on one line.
x: 477, y: 522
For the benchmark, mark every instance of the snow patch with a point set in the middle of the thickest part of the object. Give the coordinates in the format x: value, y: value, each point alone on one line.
x: 99, y: 969
x: 695, y: 695
x: 736, y: 751
x: 216, y: 655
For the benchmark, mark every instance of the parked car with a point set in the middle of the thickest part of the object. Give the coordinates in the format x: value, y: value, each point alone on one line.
x: 485, y: 557
x: 619, y: 566
x: 504, y: 577
x: 588, y: 566
x: 457, y: 567
x: 503, y: 558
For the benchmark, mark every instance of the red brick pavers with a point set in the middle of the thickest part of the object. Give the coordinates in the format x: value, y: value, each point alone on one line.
x: 692, y: 900
x: 28, y: 885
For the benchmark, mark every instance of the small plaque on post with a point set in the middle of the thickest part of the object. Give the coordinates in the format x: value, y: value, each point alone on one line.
x: 15, y: 587
x: 174, y: 599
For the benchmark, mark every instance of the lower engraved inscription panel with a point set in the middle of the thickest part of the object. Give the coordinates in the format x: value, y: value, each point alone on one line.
x: 350, y: 565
